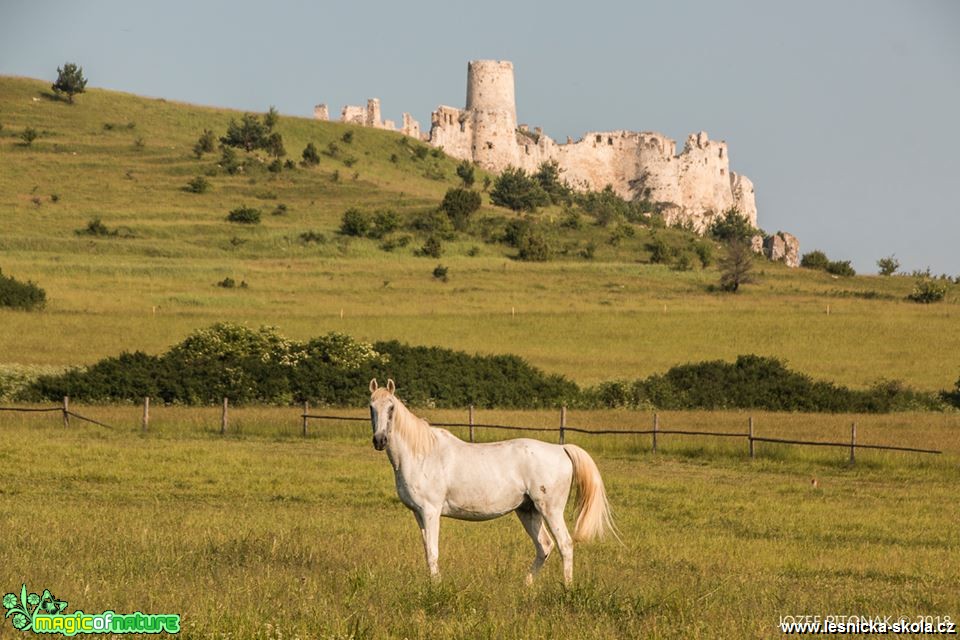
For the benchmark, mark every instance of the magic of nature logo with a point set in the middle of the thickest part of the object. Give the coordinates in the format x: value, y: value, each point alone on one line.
x: 44, y: 613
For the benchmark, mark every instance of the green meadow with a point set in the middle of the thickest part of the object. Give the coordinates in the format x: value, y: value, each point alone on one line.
x: 264, y: 534
x: 126, y: 160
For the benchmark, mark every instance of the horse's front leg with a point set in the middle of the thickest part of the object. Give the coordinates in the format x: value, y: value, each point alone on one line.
x: 429, y: 521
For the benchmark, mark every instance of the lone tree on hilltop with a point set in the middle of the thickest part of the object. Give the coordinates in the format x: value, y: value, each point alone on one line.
x: 70, y: 81
x: 736, y: 266
x: 888, y: 266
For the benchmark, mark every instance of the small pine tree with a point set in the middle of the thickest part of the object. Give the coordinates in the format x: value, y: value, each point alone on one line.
x: 465, y: 172
x: 311, y: 157
x: 205, y: 143
x: 70, y: 81
x: 271, y: 118
x: 459, y: 204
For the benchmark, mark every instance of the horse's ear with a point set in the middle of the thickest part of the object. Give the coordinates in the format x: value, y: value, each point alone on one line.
x: 390, y: 386
x: 373, y: 385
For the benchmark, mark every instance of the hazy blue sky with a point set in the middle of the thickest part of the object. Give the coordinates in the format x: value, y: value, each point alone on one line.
x: 844, y: 114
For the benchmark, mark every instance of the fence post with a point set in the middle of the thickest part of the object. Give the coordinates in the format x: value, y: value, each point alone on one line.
x: 656, y: 427
x: 563, y: 422
x: 66, y: 412
x: 223, y: 417
x: 750, y: 436
x: 471, y: 423
x: 853, y: 442
x: 146, y: 414
x: 306, y: 410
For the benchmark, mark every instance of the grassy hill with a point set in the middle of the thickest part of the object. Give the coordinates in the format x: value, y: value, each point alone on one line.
x: 126, y: 160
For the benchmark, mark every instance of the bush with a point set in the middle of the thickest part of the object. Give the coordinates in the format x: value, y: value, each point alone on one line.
x: 841, y: 268
x: 384, y: 223
x: 354, y: 223
x: 432, y: 248
x: 396, y: 243
x: 927, y: 291
x: 249, y: 134
x: 752, y: 382
x: 704, y: 251
x: 229, y: 161
x: 459, y: 204
x: 440, y: 272
x: 815, y: 260
x: 433, y: 222
x: 20, y: 295
x: 731, y: 226
x: 534, y: 247
x: 227, y: 283
x: 420, y: 152
x: 205, y: 143
x: 28, y: 135
x: 311, y: 157
x: 660, y: 251
x: 516, y: 190
x: 347, y: 137
x: 888, y: 266
x: 466, y: 173
x: 276, y: 166
x: 198, y: 185
x: 95, y: 227
x: 280, y: 210
x: 308, y: 237
x: 70, y: 81
x: 244, y: 215
x: 548, y: 177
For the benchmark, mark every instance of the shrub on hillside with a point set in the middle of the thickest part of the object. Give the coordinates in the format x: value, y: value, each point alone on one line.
x: 534, y: 247
x: 354, y: 223
x: 383, y: 223
x: 433, y: 222
x: 244, y: 215
x: 731, y: 226
x: 70, y: 81
x: 248, y: 134
x: 841, y: 268
x: 518, y: 191
x: 28, y: 135
x: 815, y: 260
x: 95, y: 227
x: 198, y: 185
x: 466, y: 173
x: 888, y: 266
x: 432, y: 247
x: 440, y: 272
x: 459, y: 204
x: 926, y: 290
x: 206, y: 143
x: 20, y: 295
x: 548, y: 177
x: 311, y: 157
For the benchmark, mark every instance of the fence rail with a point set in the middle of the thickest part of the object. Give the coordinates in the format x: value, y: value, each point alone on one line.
x: 561, y: 429
x: 656, y: 431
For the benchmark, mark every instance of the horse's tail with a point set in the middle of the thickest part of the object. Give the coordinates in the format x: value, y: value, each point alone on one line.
x: 593, y: 510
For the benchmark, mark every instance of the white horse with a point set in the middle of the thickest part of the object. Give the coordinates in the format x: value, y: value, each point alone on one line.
x: 438, y: 474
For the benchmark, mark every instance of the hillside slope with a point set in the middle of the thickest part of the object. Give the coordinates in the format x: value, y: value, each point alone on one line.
x: 125, y: 160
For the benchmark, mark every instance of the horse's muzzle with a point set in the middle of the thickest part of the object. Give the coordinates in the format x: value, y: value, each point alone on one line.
x: 379, y: 442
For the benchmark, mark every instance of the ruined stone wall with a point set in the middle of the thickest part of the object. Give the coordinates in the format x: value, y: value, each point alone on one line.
x: 353, y: 115
x: 697, y: 181
x: 636, y: 164
x: 320, y: 112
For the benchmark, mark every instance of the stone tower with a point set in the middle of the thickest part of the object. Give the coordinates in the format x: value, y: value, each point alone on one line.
x: 492, y: 106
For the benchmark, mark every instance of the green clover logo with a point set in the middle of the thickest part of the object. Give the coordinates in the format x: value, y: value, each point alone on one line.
x: 26, y: 606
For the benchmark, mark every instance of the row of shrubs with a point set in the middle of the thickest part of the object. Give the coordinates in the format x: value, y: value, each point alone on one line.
x: 260, y: 366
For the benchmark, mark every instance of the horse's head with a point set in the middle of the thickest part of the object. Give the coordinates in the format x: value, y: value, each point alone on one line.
x: 382, y: 406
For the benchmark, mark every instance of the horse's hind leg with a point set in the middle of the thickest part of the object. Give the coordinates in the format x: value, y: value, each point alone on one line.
x: 542, y: 542
x: 554, y: 520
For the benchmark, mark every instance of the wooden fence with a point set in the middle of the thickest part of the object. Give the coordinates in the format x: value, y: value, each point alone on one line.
x: 561, y: 429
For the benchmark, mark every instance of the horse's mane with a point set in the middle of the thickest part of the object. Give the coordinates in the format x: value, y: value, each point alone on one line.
x: 416, y: 432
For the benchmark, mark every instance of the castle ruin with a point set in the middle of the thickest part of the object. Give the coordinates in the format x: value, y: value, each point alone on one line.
x: 694, y: 186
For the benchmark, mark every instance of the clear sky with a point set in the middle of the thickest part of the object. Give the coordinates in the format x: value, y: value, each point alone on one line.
x: 843, y: 113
